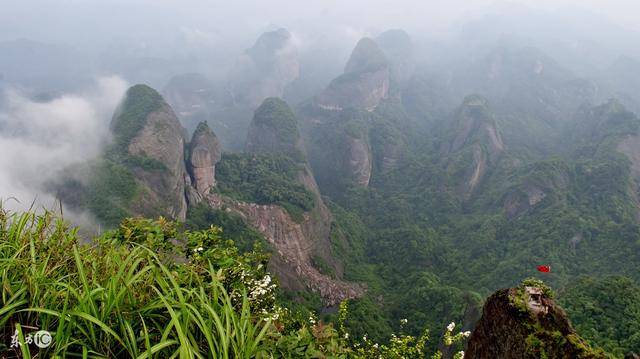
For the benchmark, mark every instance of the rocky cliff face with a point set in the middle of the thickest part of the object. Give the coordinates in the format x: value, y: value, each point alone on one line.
x: 266, y: 69
x: 204, y: 153
x: 294, y: 245
x: 358, y: 160
x: 523, y: 323
x: 151, y: 141
x: 476, y: 143
x: 365, y: 81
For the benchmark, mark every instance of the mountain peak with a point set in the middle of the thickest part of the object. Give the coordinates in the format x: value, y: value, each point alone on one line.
x: 269, y: 43
x: 274, y: 129
x: 525, y: 322
x: 366, y: 57
x: 365, y: 81
x: 139, y: 101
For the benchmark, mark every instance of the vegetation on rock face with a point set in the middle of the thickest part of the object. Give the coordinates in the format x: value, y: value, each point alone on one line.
x: 275, y: 114
x: 110, y: 192
x: 274, y: 129
x: 264, y: 179
x: 525, y: 322
x: 139, y: 102
x: 202, y: 217
x: 113, y: 183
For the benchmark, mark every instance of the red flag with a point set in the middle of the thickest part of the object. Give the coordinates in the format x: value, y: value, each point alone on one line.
x: 544, y: 269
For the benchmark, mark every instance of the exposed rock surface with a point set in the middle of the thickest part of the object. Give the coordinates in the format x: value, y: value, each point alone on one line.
x: 525, y: 323
x: 358, y: 160
x: 294, y: 245
x: 267, y: 68
x: 204, y: 153
x: 365, y: 81
x: 474, y: 132
x: 154, y: 138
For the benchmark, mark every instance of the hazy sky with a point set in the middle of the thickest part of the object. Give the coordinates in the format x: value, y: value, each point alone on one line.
x: 86, y: 21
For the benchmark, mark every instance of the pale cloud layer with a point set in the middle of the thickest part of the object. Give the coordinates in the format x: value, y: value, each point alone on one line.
x: 38, y: 139
x: 97, y: 20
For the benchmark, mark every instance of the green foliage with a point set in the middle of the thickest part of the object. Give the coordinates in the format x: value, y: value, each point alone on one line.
x: 264, y: 179
x: 202, y: 217
x: 605, y: 311
x: 110, y: 192
x: 127, y: 296
x: 149, y: 289
x: 276, y: 115
x: 322, y: 266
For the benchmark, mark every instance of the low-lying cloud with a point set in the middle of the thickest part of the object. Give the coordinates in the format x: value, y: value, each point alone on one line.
x: 39, y: 139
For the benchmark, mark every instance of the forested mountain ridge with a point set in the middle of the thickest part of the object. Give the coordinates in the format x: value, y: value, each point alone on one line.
x: 409, y: 196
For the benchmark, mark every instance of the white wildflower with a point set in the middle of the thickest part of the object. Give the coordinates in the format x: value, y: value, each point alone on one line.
x: 403, y: 321
x: 451, y: 326
x: 375, y: 345
x: 466, y: 334
x: 460, y: 355
x: 346, y: 335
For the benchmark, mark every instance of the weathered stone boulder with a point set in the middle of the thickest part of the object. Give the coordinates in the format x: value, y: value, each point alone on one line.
x: 204, y: 153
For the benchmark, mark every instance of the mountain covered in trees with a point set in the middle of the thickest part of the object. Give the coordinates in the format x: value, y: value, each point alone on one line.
x: 406, y: 191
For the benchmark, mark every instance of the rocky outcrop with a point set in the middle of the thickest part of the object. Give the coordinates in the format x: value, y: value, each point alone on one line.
x: 151, y: 139
x: 358, y: 161
x: 365, y: 81
x: 294, y: 245
x: 534, y: 183
x: 518, y: 203
x: 204, y: 153
x: 274, y: 129
x: 475, y: 143
x: 266, y: 69
x: 523, y: 323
